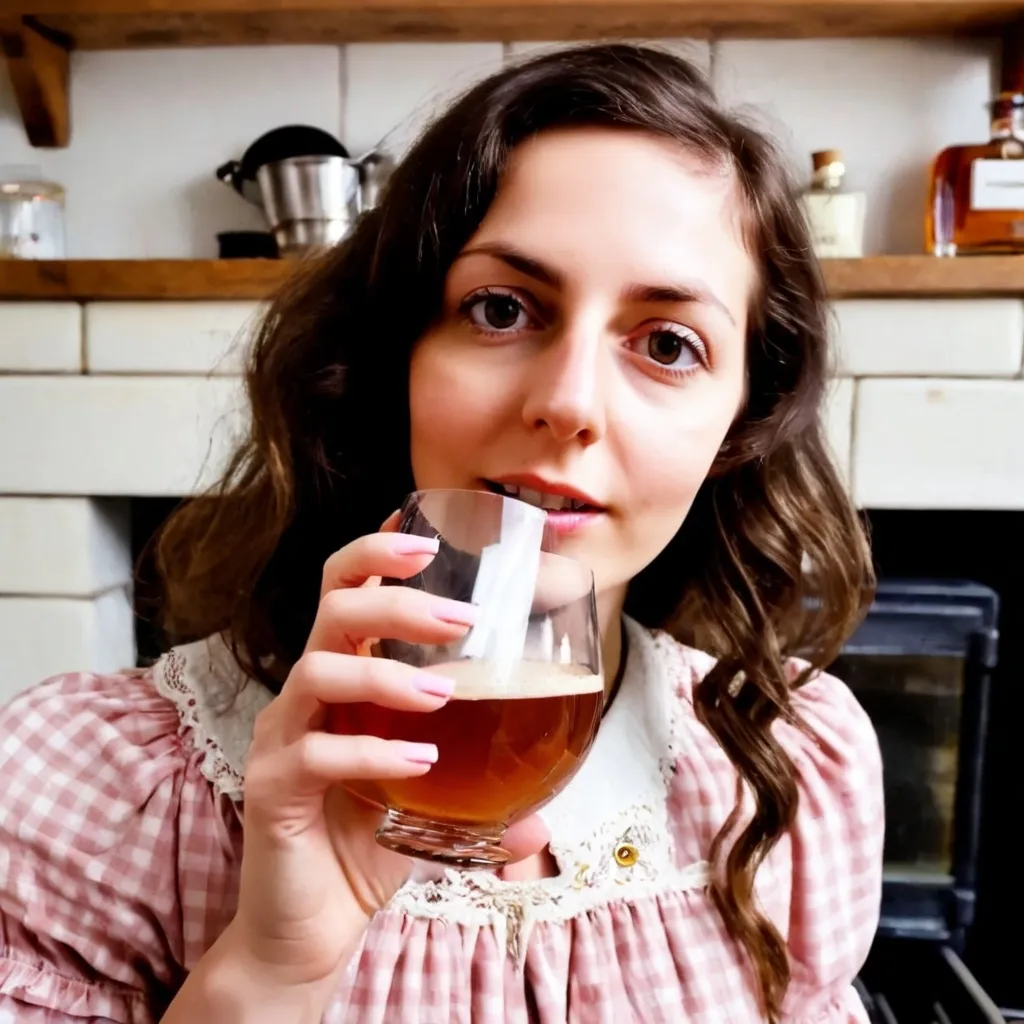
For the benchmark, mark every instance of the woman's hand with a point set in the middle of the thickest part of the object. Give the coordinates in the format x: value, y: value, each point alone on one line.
x: 312, y: 872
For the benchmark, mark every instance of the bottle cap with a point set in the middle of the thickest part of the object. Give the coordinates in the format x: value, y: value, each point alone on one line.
x: 824, y: 157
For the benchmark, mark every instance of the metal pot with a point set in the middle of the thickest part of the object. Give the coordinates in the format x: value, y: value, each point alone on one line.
x: 310, y: 200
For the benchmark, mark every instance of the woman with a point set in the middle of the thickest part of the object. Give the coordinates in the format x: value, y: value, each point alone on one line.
x: 585, y: 279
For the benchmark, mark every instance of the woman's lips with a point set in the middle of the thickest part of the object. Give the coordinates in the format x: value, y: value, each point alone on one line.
x: 569, y: 522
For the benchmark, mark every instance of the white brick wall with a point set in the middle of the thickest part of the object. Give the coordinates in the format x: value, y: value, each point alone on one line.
x: 69, y: 547
x: 930, y: 337
x: 115, y: 436
x: 43, y: 636
x: 889, y: 104
x: 839, y: 424
x: 150, y: 126
x: 395, y: 89
x: 939, y: 444
x: 194, y: 338
x: 40, y: 337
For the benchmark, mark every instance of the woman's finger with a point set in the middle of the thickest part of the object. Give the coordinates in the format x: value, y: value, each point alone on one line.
x: 323, y: 678
x: 281, y: 781
x: 527, y: 837
x: 398, y: 555
x: 346, y: 618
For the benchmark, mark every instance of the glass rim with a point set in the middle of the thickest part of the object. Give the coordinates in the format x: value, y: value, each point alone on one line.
x: 545, y: 541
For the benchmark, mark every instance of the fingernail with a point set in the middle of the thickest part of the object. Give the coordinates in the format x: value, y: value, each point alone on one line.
x: 411, y: 544
x: 436, y: 686
x: 455, y: 612
x: 418, y: 753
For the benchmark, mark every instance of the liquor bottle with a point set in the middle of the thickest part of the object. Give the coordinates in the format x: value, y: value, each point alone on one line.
x: 835, y: 216
x: 976, y: 202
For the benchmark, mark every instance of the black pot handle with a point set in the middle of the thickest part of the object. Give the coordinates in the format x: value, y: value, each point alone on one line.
x: 231, y: 174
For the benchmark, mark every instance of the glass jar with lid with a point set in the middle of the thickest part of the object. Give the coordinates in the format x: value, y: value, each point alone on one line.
x: 31, y: 215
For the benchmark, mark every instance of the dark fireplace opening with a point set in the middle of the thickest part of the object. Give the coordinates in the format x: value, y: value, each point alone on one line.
x: 986, y: 548
x: 982, y: 547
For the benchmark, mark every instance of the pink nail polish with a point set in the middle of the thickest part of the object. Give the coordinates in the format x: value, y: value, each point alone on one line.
x: 411, y: 544
x: 417, y: 753
x: 435, y: 685
x: 455, y: 612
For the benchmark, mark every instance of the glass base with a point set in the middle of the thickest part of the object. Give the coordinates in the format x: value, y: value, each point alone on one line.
x: 459, y: 846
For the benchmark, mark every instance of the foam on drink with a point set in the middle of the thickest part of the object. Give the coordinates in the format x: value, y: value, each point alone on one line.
x: 478, y: 680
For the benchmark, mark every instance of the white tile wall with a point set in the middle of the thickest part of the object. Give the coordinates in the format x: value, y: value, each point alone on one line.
x: 115, y: 436
x: 167, y: 337
x: 43, y: 636
x: 394, y: 89
x: 889, y: 104
x: 930, y: 338
x: 838, y: 422
x: 40, y: 337
x: 149, y: 127
x: 951, y: 444
x: 72, y: 547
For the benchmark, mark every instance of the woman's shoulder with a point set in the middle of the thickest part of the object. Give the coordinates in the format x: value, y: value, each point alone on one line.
x: 194, y: 708
x: 74, y: 726
x: 119, y: 851
x: 826, y: 712
x: 830, y: 741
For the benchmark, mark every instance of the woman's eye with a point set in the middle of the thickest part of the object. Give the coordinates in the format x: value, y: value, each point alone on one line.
x: 498, y: 312
x: 670, y: 348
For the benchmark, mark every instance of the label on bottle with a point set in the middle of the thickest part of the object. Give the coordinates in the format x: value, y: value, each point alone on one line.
x: 997, y: 185
x: 836, y: 221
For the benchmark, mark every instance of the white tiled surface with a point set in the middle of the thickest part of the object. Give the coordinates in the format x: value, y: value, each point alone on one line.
x: 149, y: 127
x: 40, y: 337
x: 72, y: 547
x: 939, y: 444
x: 930, y: 337
x: 167, y: 337
x: 115, y: 436
x: 889, y: 104
x: 395, y: 89
x: 43, y: 636
x: 838, y: 422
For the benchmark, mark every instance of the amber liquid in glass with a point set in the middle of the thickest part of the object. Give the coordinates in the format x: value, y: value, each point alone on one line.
x: 498, y: 756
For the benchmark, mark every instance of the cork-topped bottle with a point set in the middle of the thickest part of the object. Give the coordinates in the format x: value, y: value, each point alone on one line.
x: 834, y: 215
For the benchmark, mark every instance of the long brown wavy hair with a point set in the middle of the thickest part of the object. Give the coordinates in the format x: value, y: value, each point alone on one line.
x: 771, y: 559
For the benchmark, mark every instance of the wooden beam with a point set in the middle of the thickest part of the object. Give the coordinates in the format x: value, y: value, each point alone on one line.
x: 38, y: 66
x: 116, y: 24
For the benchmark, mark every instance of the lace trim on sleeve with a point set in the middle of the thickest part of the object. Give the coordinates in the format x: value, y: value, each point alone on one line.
x: 217, y: 706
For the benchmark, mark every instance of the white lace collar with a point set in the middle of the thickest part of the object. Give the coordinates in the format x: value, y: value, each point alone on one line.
x: 217, y: 703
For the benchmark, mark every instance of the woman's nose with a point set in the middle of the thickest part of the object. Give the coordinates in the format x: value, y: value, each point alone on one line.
x: 565, y: 391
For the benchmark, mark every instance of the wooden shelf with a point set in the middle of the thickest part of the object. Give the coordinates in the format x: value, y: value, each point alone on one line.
x: 100, y: 280
x: 106, y: 24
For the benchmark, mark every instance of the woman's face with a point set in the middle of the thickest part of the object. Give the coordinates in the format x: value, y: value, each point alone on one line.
x: 590, y: 352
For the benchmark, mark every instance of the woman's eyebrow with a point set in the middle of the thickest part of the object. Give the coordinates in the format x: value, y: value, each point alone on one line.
x: 688, y: 291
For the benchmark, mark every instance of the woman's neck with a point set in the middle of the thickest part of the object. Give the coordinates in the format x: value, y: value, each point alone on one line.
x: 609, y: 614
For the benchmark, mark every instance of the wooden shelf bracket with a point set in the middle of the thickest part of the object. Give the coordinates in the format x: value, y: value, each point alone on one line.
x: 37, y: 60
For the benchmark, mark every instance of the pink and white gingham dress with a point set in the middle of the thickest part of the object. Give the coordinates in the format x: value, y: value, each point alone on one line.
x: 120, y: 844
